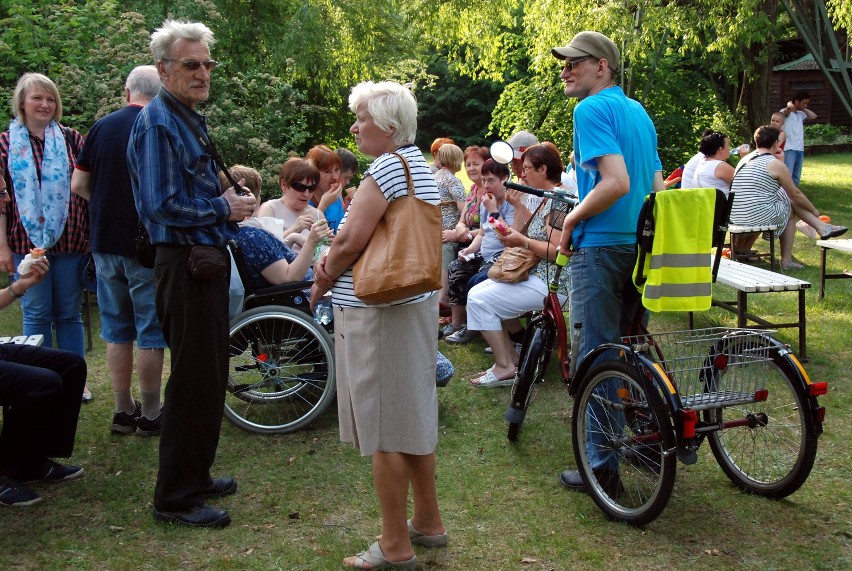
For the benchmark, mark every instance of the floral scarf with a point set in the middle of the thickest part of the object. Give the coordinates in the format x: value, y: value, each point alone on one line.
x: 43, y: 205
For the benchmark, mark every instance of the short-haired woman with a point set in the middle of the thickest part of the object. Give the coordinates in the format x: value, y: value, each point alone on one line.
x: 386, y: 396
x: 451, y: 190
x: 491, y: 304
x: 765, y: 194
x: 298, y: 179
x: 38, y: 155
x: 328, y: 195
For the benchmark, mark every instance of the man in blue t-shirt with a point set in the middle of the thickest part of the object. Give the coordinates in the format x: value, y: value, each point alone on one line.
x: 125, y: 288
x: 615, y: 152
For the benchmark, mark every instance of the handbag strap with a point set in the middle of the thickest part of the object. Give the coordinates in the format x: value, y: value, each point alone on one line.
x: 529, y: 221
x: 408, y: 178
x: 203, y: 138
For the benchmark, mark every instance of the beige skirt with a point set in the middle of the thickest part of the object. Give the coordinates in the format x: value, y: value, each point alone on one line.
x: 386, y: 359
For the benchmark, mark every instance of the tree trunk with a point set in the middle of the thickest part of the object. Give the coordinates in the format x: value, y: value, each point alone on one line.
x: 754, y: 97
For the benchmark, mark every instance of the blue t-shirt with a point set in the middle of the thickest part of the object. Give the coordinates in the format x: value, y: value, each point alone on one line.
x: 333, y: 214
x: 609, y: 123
x: 112, y: 214
x: 260, y: 250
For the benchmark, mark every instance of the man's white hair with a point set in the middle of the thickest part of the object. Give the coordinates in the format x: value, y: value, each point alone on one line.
x: 143, y: 80
x: 173, y: 30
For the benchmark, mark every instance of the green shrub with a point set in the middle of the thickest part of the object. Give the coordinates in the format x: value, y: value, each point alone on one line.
x: 825, y: 134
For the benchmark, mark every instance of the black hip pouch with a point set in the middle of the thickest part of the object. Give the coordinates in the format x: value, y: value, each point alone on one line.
x: 208, y: 262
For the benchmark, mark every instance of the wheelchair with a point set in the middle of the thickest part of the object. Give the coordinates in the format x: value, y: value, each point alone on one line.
x: 281, y: 374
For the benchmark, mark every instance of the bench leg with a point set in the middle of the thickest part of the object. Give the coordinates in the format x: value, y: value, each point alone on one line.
x: 822, y: 273
x: 772, y: 250
x: 742, y: 308
x: 803, y: 350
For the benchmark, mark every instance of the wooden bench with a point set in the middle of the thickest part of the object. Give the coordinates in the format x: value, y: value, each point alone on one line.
x: 737, y: 255
x: 748, y: 279
x: 826, y: 245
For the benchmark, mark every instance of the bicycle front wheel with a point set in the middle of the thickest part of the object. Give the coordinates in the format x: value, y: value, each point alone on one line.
x: 622, y: 436
x: 770, y: 450
x: 531, y: 368
x: 281, y: 375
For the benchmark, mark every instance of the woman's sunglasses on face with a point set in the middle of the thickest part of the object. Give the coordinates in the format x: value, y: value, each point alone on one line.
x: 298, y: 186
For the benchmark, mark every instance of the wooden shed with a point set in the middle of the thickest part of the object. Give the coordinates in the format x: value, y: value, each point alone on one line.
x: 804, y: 74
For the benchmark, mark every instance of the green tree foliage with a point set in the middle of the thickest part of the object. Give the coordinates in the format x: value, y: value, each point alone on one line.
x: 456, y: 106
x: 480, y: 69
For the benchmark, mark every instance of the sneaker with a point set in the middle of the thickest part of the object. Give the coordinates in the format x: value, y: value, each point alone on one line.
x: 56, y: 472
x: 125, y: 423
x: 463, y: 335
x: 450, y: 329
x: 149, y: 426
x: 14, y: 494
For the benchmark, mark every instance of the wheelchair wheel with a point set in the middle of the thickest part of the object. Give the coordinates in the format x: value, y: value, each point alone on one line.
x: 771, y: 450
x: 617, y: 419
x: 281, y: 374
x: 533, y: 361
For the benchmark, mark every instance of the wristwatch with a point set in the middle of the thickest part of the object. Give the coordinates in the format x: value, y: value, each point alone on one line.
x: 494, y: 215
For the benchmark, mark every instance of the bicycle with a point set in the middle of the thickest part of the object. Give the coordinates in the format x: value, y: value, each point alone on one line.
x: 645, y: 408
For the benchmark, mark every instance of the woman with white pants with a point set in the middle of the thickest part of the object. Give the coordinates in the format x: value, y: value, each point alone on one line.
x: 492, y: 303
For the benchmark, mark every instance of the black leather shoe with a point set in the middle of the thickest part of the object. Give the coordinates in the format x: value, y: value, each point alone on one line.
x: 224, y: 486
x: 199, y: 516
x: 572, y: 480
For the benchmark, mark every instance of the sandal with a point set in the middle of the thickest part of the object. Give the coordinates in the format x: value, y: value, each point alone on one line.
x: 376, y: 560
x: 792, y: 266
x: 418, y: 538
x: 832, y: 231
x: 489, y: 380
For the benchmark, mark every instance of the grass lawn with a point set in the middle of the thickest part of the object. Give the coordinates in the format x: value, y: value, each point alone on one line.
x: 306, y: 500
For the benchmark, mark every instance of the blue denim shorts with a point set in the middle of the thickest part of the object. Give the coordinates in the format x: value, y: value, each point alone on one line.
x: 126, y: 298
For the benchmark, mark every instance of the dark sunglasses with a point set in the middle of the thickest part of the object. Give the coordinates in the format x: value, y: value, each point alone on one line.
x: 303, y: 187
x: 571, y: 64
x: 193, y: 65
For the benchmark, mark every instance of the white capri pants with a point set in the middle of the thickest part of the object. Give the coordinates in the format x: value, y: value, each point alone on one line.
x: 489, y: 302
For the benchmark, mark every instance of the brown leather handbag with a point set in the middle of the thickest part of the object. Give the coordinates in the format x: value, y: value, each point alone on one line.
x: 515, y: 263
x: 403, y: 257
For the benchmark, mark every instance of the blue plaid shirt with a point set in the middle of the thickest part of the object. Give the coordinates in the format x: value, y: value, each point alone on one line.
x: 175, y: 182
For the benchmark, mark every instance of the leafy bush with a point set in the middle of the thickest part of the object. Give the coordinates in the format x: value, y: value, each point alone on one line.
x: 825, y: 134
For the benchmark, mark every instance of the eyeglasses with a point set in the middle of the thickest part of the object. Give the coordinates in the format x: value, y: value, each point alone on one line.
x: 570, y: 65
x: 193, y: 65
x: 299, y: 187
x: 526, y: 168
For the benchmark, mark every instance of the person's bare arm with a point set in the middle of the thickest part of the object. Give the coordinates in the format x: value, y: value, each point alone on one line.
x: 778, y: 170
x: 361, y: 221
x: 724, y: 171
x: 81, y: 184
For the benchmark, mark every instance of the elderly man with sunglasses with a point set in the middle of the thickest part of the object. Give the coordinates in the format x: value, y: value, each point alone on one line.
x: 189, y: 219
x: 615, y: 151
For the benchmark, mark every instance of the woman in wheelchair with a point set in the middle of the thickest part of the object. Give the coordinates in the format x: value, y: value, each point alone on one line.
x: 269, y: 261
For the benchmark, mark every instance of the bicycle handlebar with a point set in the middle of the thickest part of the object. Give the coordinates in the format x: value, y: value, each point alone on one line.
x: 559, y: 195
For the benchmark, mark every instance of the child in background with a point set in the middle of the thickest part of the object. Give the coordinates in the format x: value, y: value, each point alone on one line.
x: 777, y: 121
